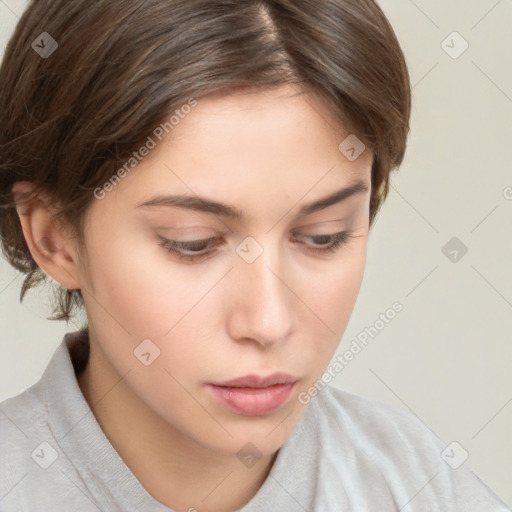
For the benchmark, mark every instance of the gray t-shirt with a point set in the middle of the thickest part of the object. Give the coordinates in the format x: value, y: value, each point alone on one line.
x: 347, y: 454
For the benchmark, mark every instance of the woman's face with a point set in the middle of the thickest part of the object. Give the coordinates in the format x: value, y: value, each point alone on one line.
x: 259, y: 297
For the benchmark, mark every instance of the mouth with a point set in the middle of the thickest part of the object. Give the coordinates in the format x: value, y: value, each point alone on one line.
x: 253, y: 395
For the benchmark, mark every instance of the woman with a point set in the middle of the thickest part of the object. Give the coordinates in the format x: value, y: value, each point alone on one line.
x: 201, y: 177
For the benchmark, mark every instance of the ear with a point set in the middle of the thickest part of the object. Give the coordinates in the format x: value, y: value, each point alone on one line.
x: 50, y: 245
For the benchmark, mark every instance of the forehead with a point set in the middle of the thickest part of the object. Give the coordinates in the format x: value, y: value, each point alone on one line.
x: 255, y: 150
x: 269, y: 127
x: 247, y: 111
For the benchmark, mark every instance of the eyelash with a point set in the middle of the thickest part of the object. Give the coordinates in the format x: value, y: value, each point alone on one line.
x: 174, y: 246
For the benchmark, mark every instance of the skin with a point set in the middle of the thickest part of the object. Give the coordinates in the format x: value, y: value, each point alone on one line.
x: 267, y: 153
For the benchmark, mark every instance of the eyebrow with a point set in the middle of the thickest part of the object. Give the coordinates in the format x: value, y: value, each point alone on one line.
x: 202, y: 204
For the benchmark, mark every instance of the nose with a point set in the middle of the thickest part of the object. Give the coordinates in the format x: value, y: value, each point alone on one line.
x: 261, y: 300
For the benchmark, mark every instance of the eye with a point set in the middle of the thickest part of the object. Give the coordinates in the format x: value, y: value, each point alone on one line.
x: 329, y: 243
x: 197, y: 249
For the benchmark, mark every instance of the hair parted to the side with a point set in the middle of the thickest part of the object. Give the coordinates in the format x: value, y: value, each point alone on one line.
x: 70, y: 120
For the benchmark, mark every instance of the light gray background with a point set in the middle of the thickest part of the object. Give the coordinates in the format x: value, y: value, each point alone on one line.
x: 447, y: 356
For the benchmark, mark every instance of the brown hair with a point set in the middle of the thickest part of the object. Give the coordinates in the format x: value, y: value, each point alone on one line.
x: 69, y: 120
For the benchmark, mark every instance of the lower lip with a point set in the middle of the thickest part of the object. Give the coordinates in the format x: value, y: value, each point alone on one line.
x: 253, y: 401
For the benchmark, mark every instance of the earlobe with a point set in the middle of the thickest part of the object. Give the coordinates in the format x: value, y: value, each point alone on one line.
x: 50, y: 245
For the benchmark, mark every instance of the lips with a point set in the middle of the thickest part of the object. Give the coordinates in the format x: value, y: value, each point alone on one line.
x: 255, y: 381
x: 253, y: 395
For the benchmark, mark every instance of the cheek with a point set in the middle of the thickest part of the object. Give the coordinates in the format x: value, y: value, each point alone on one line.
x: 332, y: 292
x: 140, y: 292
x: 331, y: 298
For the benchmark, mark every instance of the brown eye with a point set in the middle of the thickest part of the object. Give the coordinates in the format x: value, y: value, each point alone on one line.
x: 329, y: 243
x: 190, y: 251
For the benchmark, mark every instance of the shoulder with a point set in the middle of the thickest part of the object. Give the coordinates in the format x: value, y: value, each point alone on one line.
x: 33, y: 428
x: 369, y: 417
x: 387, y: 451
x: 22, y: 423
x: 20, y: 417
x: 375, y: 431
